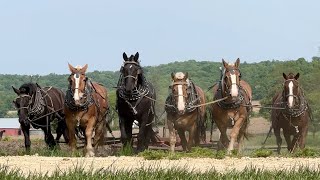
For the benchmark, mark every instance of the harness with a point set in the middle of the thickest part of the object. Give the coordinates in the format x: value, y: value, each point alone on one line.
x: 134, y: 97
x: 36, y: 111
x: 238, y: 101
x: 70, y: 102
x: 192, y: 96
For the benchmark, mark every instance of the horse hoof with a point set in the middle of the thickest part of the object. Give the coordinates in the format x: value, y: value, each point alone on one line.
x: 90, y: 154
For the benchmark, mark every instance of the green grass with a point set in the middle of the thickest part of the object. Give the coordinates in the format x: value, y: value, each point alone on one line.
x: 196, y: 152
x: 148, y: 173
x: 262, y: 153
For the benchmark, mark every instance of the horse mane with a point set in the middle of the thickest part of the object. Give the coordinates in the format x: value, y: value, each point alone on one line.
x: 291, y: 75
x: 28, y: 88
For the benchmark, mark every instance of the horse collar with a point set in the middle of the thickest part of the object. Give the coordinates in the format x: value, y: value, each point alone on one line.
x: 70, y: 103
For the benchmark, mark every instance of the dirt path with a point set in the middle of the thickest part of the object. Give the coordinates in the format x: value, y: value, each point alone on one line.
x: 50, y: 164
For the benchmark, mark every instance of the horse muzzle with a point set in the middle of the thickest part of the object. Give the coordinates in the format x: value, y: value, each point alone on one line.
x: 181, y: 112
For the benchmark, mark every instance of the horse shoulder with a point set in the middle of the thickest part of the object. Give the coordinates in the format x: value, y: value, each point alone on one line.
x: 100, y: 89
x: 215, y: 88
x: 276, y: 97
x: 200, y: 93
x: 246, y: 87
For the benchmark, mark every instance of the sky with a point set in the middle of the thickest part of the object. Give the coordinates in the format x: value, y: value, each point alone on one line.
x: 42, y: 37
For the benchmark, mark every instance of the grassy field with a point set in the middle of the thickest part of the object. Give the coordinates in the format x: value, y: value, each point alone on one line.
x: 144, y: 173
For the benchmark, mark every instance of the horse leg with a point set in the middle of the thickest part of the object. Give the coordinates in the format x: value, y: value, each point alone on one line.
x: 26, y: 134
x: 48, y: 137
x: 88, y: 132
x: 192, y: 137
x: 302, y: 138
x: 172, y: 134
x: 183, y: 139
x: 286, y: 134
x: 278, y: 138
x: 142, y: 137
x: 124, y: 135
x: 62, y: 128
x: 71, y: 125
x: 100, y: 131
x: 234, y: 134
x: 223, y: 140
x: 211, y: 131
x: 149, y: 133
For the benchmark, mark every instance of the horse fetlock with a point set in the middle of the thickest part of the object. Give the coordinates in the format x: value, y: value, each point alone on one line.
x: 89, y: 153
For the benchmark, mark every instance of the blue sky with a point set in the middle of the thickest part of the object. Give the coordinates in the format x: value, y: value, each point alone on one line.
x: 41, y: 37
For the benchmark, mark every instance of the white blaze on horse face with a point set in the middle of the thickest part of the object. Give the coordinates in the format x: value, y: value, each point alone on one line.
x: 76, y: 90
x: 234, y: 88
x: 290, y: 98
x: 180, y: 99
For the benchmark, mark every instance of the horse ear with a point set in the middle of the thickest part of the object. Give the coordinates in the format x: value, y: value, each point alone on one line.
x: 237, y: 64
x: 136, y: 57
x: 297, y: 76
x: 125, y: 57
x: 186, y: 75
x: 172, y: 75
x: 284, y: 76
x: 224, y: 63
x: 71, y: 68
x: 84, y: 69
x: 17, y: 91
x: 38, y: 85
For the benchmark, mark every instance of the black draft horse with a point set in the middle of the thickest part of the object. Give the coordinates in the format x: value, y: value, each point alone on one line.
x: 135, y: 101
x: 38, y: 107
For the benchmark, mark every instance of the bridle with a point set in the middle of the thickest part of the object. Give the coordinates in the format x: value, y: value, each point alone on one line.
x: 286, y: 96
x: 78, y: 75
x: 130, y: 76
x: 225, y: 87
x: 179, y: 83
x: 22, y: 96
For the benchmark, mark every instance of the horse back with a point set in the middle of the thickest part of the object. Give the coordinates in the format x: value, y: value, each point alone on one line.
x: 54, y: 95
x: 247, y: 88
x: 100, y: 93
x: 202, y: 98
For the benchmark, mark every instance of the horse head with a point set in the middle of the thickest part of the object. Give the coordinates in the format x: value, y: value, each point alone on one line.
x: 179, y: 87
x: 231, y: 77
x: 131, y: 71
x: 24, y: 101
x: 291, y: 90
x: 77, y: 83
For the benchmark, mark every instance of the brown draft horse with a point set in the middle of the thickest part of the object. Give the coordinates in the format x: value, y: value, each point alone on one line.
x: 231, y: 112
x: 86, y: 107
x: 182, y: 115
x: 295, y: 115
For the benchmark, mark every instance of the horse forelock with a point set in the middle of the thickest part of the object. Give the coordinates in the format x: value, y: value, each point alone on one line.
x: 28, y: 88
x: 291, y: 76
x: 78, y: 67
x: 179, y: 75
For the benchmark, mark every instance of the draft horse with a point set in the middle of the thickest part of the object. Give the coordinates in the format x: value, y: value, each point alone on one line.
x: 135, y: 101
x: 293, y: 116
x: 183, y: 114
x: 231, y: 112
x: 86, y: 108
x: 38, y: 107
